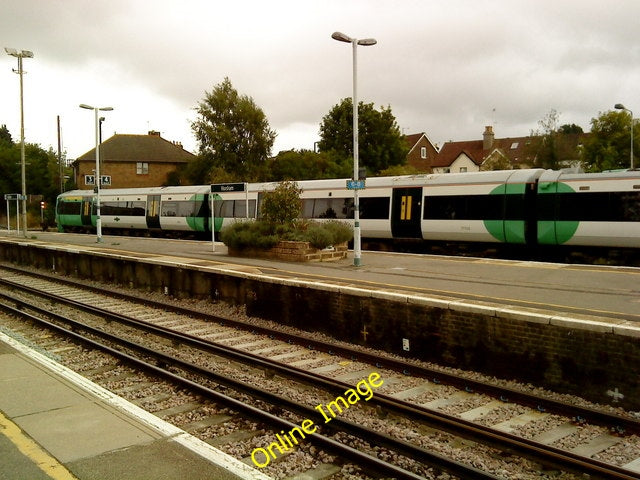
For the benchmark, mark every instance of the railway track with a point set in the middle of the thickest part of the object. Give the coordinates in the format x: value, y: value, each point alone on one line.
x: 402, y: 400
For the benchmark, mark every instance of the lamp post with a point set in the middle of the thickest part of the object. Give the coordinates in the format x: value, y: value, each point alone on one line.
x: 20, y: 55
x: 97, y: 176
x: 620, y: 106
x: 341, y: 37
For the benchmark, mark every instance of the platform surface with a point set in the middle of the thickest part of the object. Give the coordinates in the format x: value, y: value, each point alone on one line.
x: 565, y: 290
x: 56, y: 425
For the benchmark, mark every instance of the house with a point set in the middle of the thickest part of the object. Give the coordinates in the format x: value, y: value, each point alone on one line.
x: 476, y: 155
x: 492, y: 153
x: 132, y: 161
x: 422, y: 153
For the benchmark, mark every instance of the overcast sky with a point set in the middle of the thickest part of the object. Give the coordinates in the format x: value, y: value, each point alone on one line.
x: 447, y: 68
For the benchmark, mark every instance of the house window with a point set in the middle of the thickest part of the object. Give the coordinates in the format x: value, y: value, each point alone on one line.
x: 423, y: 152
x: 463, y: 169
x: 142, y: 168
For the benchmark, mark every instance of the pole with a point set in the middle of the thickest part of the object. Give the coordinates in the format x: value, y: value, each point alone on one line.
x: 22, y: 154
x: 631, y: 113
x: 8, y: 218
x: 213, y: 223
x: 60, y: 167
x: 97, y: 180
x: 357, y: 251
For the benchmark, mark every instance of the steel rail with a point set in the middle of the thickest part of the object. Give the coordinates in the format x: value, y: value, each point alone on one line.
x: 449, y: 423
x: 617, y: 423
x: 369, y: 462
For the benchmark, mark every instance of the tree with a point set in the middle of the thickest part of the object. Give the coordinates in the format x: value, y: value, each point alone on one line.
x: 282, y: 205
x: 307, y: 165
x: 381, y: 144
x: 554, y: 147
x: 608, y: 146
x: 5, y: 136
x: 233, y: 134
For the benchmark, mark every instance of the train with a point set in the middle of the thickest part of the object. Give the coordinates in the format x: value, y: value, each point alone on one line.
x: 530, y: 207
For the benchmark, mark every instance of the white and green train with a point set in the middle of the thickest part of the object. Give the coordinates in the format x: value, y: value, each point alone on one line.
x: 530, y: 207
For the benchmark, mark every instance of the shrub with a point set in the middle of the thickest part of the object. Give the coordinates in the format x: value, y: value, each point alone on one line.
x: 318, y: 236
x: 282, y: 205
x: 264, y: 235
x: 241, y: 235
x: 340, y: 232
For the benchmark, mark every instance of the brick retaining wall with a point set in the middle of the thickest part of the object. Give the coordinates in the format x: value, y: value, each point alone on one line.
x: 586, y: 356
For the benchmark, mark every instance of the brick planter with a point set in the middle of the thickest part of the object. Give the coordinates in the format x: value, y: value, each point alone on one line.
x: 294, y: 252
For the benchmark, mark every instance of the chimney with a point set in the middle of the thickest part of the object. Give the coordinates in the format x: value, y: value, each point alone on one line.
x: 155, y: 133
x: 487, y: 138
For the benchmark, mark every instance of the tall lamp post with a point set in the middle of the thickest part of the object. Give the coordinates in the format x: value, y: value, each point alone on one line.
x: 341, y: 37
x: 20, y: 55
x: 97, y: 176
x: 620, y: 106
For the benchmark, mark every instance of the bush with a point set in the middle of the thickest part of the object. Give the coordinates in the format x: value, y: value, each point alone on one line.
x: 241, y: 235
x: 340, y: 232
x: 264, y: 235
x: 282, y: 205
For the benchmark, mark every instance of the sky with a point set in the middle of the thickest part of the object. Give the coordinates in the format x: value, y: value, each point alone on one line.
x: 446, y: 68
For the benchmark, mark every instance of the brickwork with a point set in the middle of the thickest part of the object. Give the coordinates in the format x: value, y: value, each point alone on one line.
x: 293, y: 252
x: 587, y: 358
x: 123, y: 174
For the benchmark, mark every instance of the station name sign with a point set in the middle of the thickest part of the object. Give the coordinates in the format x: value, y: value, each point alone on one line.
x: 228, y: 187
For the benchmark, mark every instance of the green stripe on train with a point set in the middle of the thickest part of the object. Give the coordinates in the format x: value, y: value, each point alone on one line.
x: 555, y: 232
x: 509, y: 231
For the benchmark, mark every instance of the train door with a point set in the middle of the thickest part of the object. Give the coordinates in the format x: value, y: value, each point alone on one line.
x: 85, y: 212
x: 153, y: 211
x: 405, y: 212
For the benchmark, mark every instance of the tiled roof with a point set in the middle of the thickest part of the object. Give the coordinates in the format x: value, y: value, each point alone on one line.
x: 516, y: 149
x: 452, y: 150
x: 139, y: 148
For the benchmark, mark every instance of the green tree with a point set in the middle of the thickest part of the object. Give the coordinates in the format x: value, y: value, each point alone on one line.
x: 608, y: 146
x: 233, y: 134
x: 5, y: 136
x: 554, y: 146
x: 282, y: 205
x: 307, y: 165
x: 381, y: 144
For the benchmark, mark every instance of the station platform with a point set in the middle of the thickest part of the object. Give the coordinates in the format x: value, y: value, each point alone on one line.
x: 55, y: 424
x: 607, y: 292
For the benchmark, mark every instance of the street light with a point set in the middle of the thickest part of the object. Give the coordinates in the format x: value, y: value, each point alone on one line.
x: 97, y: 176
x: 20, y: 55
x: 341, y: 37
x: 620, y: 106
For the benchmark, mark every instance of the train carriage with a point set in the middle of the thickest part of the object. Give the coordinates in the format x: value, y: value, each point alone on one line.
x: 481, y: 207
x: 525, y: 207
x: 589, y: 209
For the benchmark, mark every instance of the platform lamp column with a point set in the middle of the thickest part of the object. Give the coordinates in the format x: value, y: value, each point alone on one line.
x: 620, y: 106
x: 341, y: 37
x: 97, y: 175
x: 20, y: 55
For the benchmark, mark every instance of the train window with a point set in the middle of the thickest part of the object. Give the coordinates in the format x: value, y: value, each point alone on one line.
x: 132, y: 209
x: 69, y: 208
x: 330, y: 208
x: 234, y: 208
x: 374, y: 208
x: 240, y: 208
x: 464, y: 207
x: 186, y: 208
x: 307, y: 207
x: 169, y: 209
x: 472, y: 207
x: 590, y: 207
